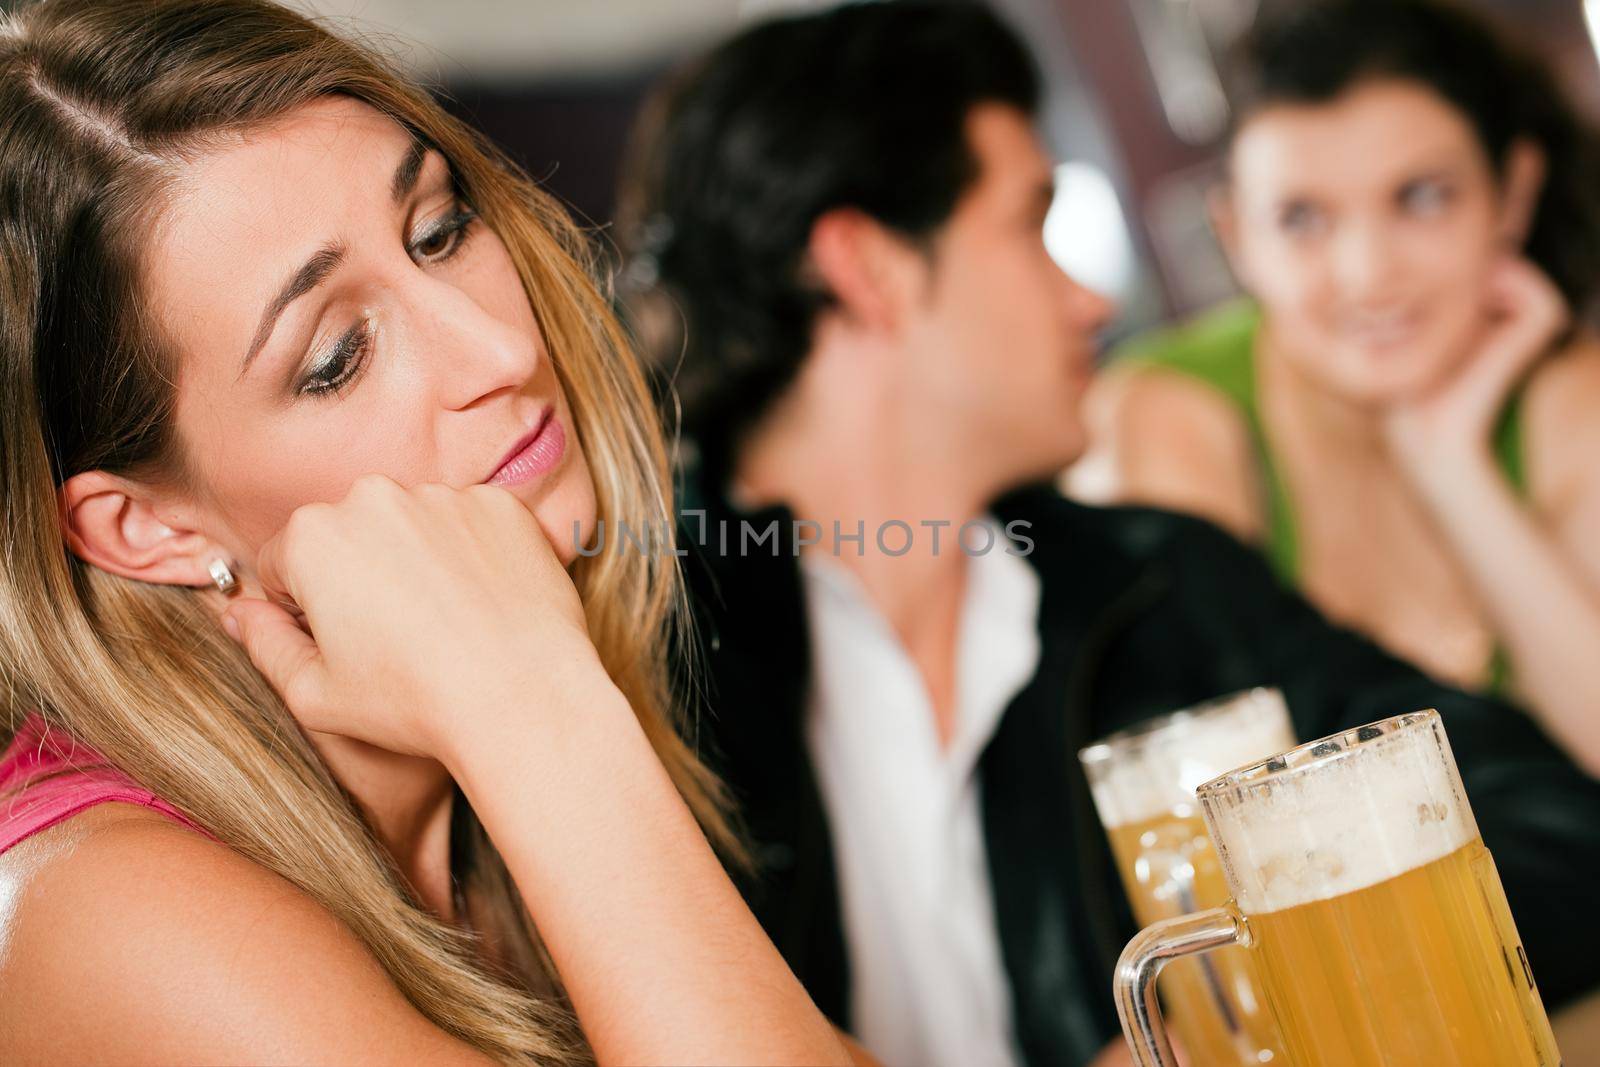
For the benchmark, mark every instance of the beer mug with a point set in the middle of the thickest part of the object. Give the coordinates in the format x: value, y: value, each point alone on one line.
x: 1143, y: 780
x: 1369, y: 904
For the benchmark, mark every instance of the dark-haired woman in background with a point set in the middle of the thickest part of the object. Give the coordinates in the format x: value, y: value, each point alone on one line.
x: 1403, y: 415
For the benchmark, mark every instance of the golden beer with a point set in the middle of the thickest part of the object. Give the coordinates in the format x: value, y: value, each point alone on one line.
x: 1369, y: 905
x: 1422, y: 968
x: 1143, y: 783
x: 1215, y: 1001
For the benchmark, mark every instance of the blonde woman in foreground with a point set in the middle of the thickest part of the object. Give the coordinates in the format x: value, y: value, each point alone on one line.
x: 322, y: 742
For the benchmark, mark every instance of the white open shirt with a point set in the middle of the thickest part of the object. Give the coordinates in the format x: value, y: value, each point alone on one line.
x: 927, y: 984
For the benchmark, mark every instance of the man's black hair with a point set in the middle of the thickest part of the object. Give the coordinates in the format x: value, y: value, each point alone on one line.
x: 861, y: 106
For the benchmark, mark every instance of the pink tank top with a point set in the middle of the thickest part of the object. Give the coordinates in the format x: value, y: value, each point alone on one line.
x: 46, y: 777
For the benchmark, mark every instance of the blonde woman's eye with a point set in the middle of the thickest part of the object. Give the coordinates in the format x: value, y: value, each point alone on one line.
x: 445, y: 236
x: 339, y: 365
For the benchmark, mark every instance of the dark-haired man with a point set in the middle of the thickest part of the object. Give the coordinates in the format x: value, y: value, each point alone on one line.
x: 908, y: 634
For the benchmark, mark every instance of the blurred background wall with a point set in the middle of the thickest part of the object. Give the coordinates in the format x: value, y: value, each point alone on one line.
x: 1134, y: 111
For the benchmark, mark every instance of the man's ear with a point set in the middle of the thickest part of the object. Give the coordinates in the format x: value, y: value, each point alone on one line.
x: 1525, y: 171
x: 865, y: 266
x: 1225, y: 222
x: 111, y: 523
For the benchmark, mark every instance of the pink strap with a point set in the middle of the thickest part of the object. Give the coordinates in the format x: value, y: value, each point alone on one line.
x: 46, y: 777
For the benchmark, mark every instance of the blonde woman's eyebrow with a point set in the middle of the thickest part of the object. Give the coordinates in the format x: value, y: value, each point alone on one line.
x: 326, y: 259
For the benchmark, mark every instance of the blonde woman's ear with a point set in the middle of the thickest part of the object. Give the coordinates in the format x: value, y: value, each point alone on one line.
x: 111, y: 523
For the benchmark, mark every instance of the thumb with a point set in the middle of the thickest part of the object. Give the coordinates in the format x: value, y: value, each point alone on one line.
x: 1531, y: 310
x: 282, y: 651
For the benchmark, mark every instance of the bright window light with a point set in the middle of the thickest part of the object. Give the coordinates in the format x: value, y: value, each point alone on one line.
x: 1591, y: 15
x: 1085, y: 231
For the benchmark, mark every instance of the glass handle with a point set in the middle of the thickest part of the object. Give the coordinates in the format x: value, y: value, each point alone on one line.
x: 1141, y: 962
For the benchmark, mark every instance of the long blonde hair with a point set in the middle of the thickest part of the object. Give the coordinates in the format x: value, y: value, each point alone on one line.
x: 101, y: 103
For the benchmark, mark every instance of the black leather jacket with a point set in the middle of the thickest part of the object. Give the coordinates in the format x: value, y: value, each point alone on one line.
x: 1141, y: 612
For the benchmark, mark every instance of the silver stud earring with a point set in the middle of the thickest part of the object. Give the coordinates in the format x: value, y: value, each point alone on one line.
x: 223, y: 577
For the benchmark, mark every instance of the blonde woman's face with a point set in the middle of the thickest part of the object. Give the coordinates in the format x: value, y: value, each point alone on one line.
x: 338, y: 310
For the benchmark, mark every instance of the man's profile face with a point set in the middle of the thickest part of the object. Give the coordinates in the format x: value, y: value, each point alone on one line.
x: 1004, y: 342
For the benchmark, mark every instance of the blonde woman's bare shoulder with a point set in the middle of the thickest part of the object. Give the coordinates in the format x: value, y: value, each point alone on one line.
x: 1560, y: 433
x: 125, y: 936
x: 1163, y: 438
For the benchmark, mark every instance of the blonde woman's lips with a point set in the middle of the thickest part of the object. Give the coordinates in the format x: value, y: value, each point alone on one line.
x: 536, y: 452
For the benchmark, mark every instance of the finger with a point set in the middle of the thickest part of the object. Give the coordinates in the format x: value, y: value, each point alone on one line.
x: 1114, y: 1055
x: 1527, y: 314
x: 270, y: 575
x: 283, y: 652
x: 1514, y: 346
x: 1520, y: 291
x: 269, y: 571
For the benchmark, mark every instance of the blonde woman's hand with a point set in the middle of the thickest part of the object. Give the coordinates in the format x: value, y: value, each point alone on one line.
x: 1117, y: 1054
x: 1432, y: 434
x: 423, y: 609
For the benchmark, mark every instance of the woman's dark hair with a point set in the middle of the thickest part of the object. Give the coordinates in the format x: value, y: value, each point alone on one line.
x: 1313, y: 53
x: 736, y: 157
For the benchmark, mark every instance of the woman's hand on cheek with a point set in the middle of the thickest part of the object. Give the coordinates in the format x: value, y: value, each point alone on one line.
x: 1433, y: 435
x: 424, y: 610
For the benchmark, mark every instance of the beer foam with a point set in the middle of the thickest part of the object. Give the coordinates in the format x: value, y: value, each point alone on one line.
x: 1153, y: 769
x: 1339, y: 815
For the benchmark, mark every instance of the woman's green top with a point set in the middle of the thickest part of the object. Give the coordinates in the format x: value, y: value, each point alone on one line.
x: 1218, y: 348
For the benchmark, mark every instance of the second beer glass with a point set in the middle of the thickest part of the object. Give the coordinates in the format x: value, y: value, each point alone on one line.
x: 1143, y: 781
